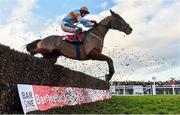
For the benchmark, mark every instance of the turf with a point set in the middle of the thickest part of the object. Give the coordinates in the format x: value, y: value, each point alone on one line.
x: 169, y: 104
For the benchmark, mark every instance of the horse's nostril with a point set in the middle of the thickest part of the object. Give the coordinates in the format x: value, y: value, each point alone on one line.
x: 128, y: 31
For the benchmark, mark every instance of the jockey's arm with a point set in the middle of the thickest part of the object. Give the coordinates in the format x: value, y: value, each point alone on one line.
x: 85, y: 22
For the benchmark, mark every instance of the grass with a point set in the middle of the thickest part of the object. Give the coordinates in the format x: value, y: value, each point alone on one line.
x: 141, y: 105
x: 169, y: 104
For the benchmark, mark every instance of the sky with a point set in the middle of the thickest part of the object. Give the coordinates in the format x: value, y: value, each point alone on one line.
x: 152, y: 50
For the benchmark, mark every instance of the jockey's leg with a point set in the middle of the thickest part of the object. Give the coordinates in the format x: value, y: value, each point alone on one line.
x: 67, y: 28
x: 71, y: 29
x: 78, y: 31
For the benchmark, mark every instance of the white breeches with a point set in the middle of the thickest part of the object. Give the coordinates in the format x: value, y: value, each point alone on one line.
x: 67, y: 28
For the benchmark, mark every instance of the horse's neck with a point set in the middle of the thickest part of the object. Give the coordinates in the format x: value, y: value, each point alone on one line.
x: 102, y: 28
x: 95, y: 36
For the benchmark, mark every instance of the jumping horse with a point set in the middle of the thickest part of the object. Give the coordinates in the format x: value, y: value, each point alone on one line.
x: 54, y: 46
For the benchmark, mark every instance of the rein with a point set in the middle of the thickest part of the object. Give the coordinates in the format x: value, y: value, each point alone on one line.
x: 96, y: 37
x: 104, y: 27
x: 99, y: 33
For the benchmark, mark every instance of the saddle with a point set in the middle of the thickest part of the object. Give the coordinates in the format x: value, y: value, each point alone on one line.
x: 73, y: 38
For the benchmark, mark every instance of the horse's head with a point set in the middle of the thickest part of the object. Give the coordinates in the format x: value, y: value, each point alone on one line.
x: 32, y: 46
x: 118, y: 23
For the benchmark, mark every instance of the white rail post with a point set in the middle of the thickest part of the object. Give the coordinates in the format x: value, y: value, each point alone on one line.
x: 124, y: 90
x: 154, y: 86
x: 173, y: 89
x: 154, y: 89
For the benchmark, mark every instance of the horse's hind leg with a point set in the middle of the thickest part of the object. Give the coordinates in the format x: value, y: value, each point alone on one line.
x: 52, y: 57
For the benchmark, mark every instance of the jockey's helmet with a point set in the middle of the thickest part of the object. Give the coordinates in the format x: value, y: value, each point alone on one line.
x: 85, y: 10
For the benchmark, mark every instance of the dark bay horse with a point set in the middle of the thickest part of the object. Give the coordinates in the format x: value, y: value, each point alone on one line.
x: 53, y: 46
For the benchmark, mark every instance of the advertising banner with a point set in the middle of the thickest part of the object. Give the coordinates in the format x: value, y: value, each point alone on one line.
x: 41, y: 98
x: 27, y: 98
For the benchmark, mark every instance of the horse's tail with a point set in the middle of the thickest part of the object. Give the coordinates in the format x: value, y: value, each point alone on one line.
x: 31, y: 46
x: 22, y: 47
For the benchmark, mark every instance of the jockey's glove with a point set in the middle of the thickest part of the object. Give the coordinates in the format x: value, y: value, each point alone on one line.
x: 94, y: 22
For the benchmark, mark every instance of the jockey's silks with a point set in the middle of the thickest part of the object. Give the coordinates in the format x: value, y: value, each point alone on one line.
x: 74, y: 17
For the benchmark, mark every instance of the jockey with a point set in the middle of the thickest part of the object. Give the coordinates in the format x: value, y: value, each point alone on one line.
x: 76, y: 16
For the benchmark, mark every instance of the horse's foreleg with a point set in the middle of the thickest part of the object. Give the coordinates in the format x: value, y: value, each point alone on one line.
x: 102, y: 57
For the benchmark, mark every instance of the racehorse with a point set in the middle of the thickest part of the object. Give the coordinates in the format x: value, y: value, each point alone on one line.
x: 54, y: 46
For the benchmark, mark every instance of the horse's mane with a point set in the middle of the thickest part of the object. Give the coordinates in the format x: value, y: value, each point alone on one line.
x: 97, y: 24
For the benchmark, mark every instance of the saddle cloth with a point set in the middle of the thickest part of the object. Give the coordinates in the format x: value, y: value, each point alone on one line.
x: 70, y: 37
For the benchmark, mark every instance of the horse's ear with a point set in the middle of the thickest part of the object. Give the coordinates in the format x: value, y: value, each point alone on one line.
x: 113, y: 13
